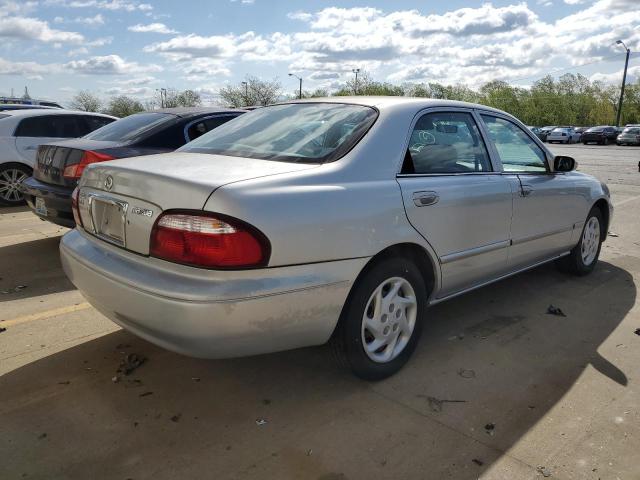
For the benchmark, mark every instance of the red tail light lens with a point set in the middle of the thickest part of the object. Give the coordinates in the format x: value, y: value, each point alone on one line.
x: 210, y: 241
x: 74, y: 171
x: 74, y: 206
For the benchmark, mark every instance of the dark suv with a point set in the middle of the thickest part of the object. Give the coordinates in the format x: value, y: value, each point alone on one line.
x: 602, y: 135
x: 59, y: 165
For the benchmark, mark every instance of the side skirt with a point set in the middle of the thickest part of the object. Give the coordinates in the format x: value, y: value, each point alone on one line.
x: 497, y: 279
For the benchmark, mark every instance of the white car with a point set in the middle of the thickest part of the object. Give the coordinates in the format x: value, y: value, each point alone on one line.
x: 564, y: 135
x: 22, y: 131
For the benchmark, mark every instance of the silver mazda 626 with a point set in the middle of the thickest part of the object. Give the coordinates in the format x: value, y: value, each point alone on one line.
x: 337, y: 219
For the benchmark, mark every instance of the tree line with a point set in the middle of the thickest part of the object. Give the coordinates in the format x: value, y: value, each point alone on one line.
x: 571, y: 99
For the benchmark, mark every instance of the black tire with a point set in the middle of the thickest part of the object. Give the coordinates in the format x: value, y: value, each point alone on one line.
x: 574, y: 263
x: 9, y: 196
x: 347, y: 340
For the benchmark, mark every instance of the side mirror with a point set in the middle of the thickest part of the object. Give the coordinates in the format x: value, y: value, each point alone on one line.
x: 562, y: 163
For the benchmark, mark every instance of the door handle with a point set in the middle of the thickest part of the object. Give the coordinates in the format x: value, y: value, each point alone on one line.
x: 423, y: 199
x: 31, y: 147
x: 525, y: 190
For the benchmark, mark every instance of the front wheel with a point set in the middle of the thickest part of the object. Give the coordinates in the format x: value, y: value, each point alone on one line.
x: 382, y: 320
x: 584, y: 256
x: 11, y: 176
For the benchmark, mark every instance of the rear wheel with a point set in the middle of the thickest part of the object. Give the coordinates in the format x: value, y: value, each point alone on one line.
x: 381, y: 322
x: 11, y: 176
x: 584, y: 256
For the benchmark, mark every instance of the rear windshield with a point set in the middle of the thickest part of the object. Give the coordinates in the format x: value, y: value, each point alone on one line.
x: 297, y: 132
x: 130, y: 127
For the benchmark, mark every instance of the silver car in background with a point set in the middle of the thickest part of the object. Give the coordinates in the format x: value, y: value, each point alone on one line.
x: 564, y: 135
x: 336, y: 219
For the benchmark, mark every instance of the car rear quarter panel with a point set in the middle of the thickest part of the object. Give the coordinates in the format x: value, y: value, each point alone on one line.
x: 346, y: 209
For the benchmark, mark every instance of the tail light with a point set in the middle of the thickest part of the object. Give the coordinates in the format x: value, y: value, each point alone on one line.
x: 74, y: 206
x: 74, y: 171
x: 208, y: 240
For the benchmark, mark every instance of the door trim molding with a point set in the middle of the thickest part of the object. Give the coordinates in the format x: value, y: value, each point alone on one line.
x: 538, y: 236
x: 472, y: 252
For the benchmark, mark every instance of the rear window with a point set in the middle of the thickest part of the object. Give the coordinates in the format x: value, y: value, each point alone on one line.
x: 297, y: 132
x: 51, y: 126
x: 130, y: 127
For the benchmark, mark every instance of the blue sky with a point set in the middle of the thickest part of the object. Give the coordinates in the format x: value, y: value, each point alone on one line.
x: 133, y: 47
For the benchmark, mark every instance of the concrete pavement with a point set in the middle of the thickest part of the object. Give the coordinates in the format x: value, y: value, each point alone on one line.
x: 497, y: 388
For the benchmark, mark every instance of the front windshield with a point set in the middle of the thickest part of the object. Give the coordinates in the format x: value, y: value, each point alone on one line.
x: 131, y: 127
x: 631, y: 130
x: 295, y: 132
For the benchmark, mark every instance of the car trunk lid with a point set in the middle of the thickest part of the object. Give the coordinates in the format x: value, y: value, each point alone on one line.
x: 52, y: 159
x: 120, y: 200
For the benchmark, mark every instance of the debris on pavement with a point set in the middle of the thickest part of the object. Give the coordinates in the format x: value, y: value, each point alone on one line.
x: 130, y: 363
x: 122, y: 346
x: 266, y: 401
x: 459, y: 336
x: 66, y: 382
x: 41, y: 436
x: 309, y: 452
x: 14, y: 289
x: 115, y: 379
x: 490, y: 428
x: 612, y: 234
x: 464, y: 373
x: 637, y: 332
x: 176, y: 418
x: 2, y: 329
x: 435, y: 404
x: 261, y: 421
x: 477, y: 462
x: 145, y: 394
x: 195, y: 379
x: 551, y: 310
x: 544, y: 471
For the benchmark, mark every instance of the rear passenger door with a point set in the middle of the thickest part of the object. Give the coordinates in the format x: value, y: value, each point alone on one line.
x: 34, y: 131
x: 456, y: 199
x: 544, y: 202
x: 199, y: 127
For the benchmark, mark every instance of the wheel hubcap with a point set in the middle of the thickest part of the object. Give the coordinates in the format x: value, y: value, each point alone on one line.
x: 10, y: 181
x: 389, y: 319
x: 590, y: 241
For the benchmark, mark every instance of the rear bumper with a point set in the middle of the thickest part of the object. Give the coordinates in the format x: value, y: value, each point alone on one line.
x: 206, y: 313
x: 57, y: 200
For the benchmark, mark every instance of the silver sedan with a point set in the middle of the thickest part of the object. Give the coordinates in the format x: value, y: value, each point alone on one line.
x: 339, y: 219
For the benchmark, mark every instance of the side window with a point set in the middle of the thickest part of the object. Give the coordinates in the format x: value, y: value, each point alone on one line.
x: 201, y: 127
x: 53, y: 126
x: 91, y: 123
x: 446, y: 142
x: 518, y: 152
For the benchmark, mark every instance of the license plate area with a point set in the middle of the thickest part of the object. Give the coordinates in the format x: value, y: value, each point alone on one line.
x: 108, y: 217
x: 41, y: 208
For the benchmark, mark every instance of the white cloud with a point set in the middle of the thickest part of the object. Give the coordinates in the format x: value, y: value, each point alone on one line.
x: 109, y: 65
x: 33, y: 29
x: 151, y: 28
x: 113, y: 5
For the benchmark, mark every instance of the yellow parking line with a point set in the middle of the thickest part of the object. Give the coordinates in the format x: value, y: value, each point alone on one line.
x: 44, y: 315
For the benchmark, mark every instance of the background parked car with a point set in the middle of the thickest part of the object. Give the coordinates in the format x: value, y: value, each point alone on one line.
x: 535, y: 130
x: 581, y: 130
x: 28, y: 101
x: 59, y: 165
x: 629, y: 136
x: 602, y: 135
x: 563, y: 135
x: 13, y: 106
x: 21, y: 131
x: 544, y: 131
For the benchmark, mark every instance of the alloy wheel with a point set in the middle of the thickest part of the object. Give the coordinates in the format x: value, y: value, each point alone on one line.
x: 590, y: 241
x: 10, y: 180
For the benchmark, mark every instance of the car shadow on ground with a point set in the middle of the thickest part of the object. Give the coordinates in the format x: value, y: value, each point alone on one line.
x: 31, y: 269
x: 490, y: 366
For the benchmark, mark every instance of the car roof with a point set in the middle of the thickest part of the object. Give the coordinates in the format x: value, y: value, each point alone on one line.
x: 194, y: 111
x: 34, y: 112
x: 388, y: 102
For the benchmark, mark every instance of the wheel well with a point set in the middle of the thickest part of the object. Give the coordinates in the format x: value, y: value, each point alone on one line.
x: 20, y: 164
x: 603, y: 206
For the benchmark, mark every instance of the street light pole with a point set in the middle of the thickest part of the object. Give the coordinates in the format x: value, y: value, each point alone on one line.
x: 246, y: 94
x: 355, y: 85
x: 624, y: 80
x: 300, y: 80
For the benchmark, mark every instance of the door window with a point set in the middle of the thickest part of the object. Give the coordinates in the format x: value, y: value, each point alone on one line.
x: 53, y: 126
x: 518, y: 152
x: 446, y: 142
x: 201, y: 127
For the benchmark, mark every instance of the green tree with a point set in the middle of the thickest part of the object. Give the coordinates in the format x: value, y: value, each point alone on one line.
x: 123, y: 106
x: 253, y: 91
